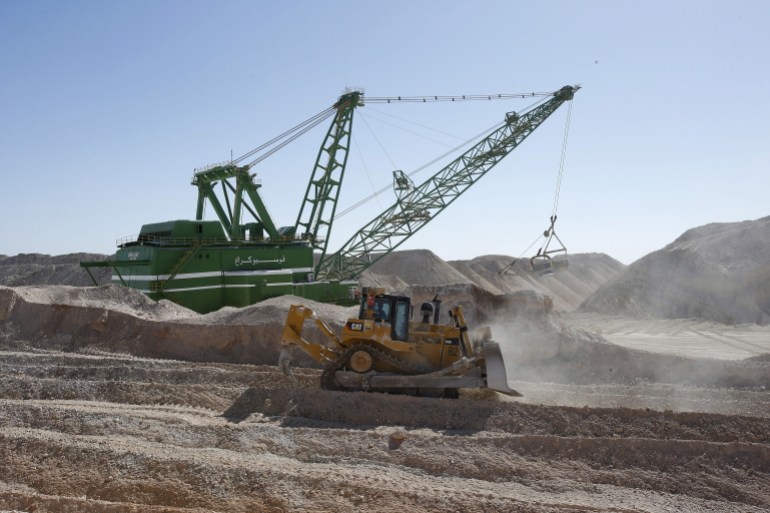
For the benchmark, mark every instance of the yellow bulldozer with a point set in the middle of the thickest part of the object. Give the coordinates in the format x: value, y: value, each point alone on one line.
x: 383, y: 350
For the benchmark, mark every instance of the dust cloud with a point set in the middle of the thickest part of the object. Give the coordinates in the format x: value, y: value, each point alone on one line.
x: 553, y: 363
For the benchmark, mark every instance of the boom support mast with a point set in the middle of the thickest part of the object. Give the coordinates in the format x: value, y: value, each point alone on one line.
x: 314, y: 221
x: 416, y: 208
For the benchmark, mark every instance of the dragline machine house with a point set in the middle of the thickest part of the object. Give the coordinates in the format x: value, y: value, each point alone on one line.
x: 243, y: 256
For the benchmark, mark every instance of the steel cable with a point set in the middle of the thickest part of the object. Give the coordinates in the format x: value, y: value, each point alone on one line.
x: 313, y: 121
x: 561, y: 163
x: 387, y: 187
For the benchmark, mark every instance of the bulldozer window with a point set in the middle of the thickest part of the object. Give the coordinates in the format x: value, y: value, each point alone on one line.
x: 401, y: 321
x: 382, y: 309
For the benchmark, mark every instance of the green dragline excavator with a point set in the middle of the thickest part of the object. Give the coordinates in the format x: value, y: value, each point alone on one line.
x: 232, y: 261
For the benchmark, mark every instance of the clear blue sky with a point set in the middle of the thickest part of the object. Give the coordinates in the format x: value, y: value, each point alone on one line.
x: 108, y: 106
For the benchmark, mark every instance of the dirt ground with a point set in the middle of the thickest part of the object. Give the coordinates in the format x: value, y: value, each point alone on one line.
x: 697, y: 338
x: 108, y: 432
x: 87, y: 427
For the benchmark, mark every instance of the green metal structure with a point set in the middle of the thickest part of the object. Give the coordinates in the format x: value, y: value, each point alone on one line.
x: 243, y: 257
x: 314, y: 222
x: 415, y: 208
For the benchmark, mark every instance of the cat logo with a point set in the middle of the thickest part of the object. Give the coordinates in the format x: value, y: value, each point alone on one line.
x: 356, y: 326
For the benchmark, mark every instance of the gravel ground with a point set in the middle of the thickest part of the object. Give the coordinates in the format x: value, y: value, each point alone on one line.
x: 112, y: 403
x: 105, y: 432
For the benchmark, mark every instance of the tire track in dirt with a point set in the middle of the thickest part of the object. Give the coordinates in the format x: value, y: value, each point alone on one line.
x: 643, y: 395
x: 733, y: 342
x: 109, y: 468
x: 108, y: 433
x: 264, y: 390
x: 193, y: 427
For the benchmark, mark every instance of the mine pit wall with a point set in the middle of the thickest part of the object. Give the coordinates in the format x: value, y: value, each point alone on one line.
x: 69, y: 327
x: 75, y: 328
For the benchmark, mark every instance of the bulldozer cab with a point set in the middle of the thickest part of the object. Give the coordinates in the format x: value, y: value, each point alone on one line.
x: 392, y: 310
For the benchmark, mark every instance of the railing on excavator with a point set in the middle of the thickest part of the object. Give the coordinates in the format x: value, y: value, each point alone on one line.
x: 165, y: 240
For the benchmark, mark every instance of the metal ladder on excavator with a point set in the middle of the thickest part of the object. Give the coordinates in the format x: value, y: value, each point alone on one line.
x: 160, y: 285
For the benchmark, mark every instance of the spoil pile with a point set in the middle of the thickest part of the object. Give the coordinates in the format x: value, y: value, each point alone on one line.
x: 494, y: 274
x: 419, y: 267
x: 718, y: 272
x: 37, y: 269
x: 568, y: 287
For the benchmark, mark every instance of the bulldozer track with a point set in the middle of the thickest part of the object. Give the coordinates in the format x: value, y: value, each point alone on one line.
x: 328, y: 382
x: 399, y: 363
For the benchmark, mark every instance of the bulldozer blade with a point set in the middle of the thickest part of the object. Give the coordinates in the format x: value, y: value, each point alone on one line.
x: 497, y: 377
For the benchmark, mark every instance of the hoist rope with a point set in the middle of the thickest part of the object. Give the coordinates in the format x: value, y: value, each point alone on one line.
x: 537, y: 239
x: 555, y: 199
x: 363, y: 163
x: 561, y: 163
x: 384, y: 113
x: 480, y: 135
x: 409, y: 131
x: 508, y: 267
x: 421, y: 168
x: 363, y: 118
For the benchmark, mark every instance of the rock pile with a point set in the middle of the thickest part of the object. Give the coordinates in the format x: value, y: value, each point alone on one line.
x: 37, y: 269
x: 718, y: 272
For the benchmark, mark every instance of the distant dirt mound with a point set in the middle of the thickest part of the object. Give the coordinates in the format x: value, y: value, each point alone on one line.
x: 419, y: 267
x: 756, y: 283
x: 392, y: 284
x: 718, y: 272
x: 37, y: 269
x: 568, y: 287
x: 108, y: 297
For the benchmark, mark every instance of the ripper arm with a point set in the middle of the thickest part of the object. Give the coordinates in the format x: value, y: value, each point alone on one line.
x: 292, y: 337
